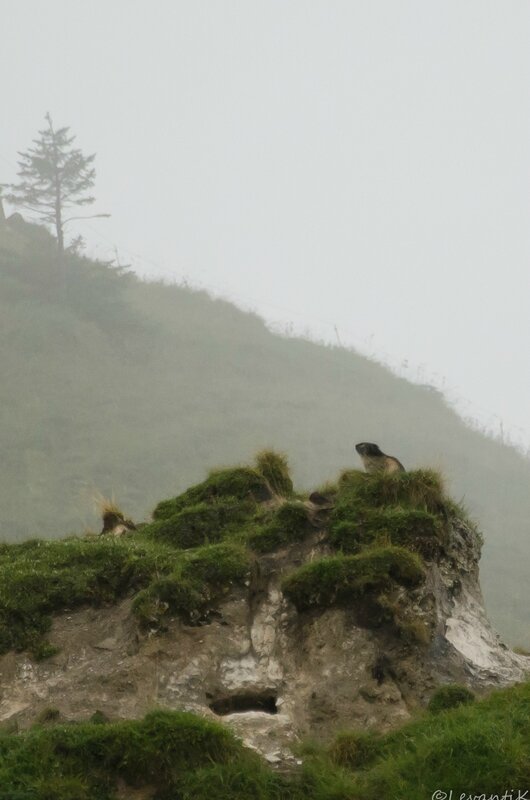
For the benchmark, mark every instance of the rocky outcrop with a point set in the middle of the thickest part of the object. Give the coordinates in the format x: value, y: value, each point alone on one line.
x: 272, y: 673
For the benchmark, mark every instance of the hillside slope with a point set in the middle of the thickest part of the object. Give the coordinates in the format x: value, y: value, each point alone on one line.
x: 130, y: 388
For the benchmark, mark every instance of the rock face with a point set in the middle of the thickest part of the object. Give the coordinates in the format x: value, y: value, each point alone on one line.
x: 271, y: 673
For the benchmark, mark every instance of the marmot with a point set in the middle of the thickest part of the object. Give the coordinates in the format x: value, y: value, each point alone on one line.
x: 115, y: 523
x: 376, y: 461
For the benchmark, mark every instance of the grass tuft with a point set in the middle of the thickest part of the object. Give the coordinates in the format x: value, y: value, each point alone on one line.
x: 275, y: 469
x: 450, y: 696
x: 354, y: 749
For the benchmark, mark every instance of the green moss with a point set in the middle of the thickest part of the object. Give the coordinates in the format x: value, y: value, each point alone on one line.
x: 419, y: 530
x: 275, y: 469
x: 450, y: 696
x: 289, y: 524
x: 241, y: 483
x: 203, y: 523
x: 197, y: 583
x: 341, y: 579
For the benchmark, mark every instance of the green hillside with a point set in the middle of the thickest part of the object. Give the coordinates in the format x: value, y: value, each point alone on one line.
x: 130, y: 389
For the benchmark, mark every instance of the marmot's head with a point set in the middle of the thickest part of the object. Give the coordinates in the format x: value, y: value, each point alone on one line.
x: 368, y: 449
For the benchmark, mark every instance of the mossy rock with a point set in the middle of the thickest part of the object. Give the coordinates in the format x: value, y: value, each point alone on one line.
x: 39, y: 578
x: 352, y: 529
x: 203, y: 523
x: 240, y: 483
x: 199, y: 581
x: 289, y: 524
x: 341, y: 579
x: 450, y: 696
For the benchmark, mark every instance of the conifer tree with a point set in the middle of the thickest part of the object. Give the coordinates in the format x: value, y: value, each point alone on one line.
x: 53, y: 176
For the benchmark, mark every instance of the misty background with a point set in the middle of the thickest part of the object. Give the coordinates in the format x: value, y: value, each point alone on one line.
x: 359, y: 172
x: 356, y: 173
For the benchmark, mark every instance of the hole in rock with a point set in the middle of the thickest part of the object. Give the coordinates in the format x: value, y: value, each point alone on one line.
x: 249, y: 701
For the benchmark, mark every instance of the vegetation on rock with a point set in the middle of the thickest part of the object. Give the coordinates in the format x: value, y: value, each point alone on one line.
x: 450, y: 696
x: 202, y: 523
x: 240, y: 483
x: 341, y: 579
x: 199, y: 580
x: 287, y: 525
x: 203, y: 542
x: 275, y: 469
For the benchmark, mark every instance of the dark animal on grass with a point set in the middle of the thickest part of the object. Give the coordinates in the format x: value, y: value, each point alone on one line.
x: 374, y: 460
x: 115, y: 524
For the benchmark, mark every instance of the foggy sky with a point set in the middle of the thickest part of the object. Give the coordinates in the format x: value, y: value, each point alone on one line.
x: 358, y: 165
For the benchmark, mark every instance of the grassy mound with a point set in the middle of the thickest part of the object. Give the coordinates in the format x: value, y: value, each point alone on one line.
x: 289, y: 524
x: 422, y: 488
x: 85, y: 761
x: 240, y: 483
x: 353, y: 529
x: 340, y: 579
x: 406, y: 509
x: 450, y: 696
x: 39, y: 578
x: 269, y: 477
x: 202, y: 523
x: 196, y: 584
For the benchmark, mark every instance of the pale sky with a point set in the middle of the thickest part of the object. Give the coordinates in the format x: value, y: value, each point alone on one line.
x: 361, y: 164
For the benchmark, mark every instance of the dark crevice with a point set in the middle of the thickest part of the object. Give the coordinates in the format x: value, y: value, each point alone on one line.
x: 250, y: 701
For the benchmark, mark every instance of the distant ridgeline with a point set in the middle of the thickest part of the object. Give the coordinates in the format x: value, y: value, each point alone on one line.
x: 128, y: 388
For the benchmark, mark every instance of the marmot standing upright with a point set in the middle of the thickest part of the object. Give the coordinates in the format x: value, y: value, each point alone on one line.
x: 374, y: 460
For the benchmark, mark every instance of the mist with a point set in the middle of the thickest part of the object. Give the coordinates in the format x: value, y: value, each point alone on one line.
x: 357, y: 172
